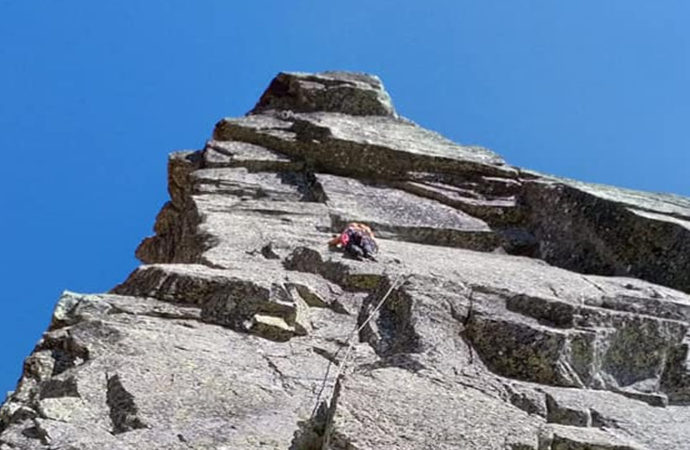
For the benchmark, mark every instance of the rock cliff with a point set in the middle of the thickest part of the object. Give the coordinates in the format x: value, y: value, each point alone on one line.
x: 506, y: 310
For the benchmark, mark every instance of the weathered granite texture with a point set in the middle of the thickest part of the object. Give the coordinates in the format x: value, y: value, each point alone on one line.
x: 506, y: 310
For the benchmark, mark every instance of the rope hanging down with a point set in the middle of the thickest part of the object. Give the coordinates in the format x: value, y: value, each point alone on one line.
x: 350, y: 342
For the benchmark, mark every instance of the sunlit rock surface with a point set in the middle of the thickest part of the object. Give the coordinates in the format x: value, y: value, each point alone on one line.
x: 506, y: 310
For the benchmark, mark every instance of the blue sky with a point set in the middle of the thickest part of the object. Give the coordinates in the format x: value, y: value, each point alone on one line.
x: 93, y: 95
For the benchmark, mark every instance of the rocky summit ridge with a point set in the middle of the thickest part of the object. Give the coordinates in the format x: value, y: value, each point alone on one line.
x: 506, y: 310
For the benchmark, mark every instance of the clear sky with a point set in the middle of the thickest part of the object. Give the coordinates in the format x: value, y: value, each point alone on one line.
x: 94, y: 94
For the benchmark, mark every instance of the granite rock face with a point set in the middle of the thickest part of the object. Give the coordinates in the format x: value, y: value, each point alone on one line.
x: 506, y: 310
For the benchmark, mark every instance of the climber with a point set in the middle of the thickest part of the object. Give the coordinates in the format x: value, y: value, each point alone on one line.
x: 357, y: 240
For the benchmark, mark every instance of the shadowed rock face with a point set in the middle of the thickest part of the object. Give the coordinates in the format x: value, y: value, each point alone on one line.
x: 507, y: 309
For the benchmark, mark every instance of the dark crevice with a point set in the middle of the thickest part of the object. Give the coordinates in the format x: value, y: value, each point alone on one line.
x: 601, y: 421
x: 563, y: 415
x: 279, y: 374
x: 400, y: 361
x: 307, y: 185
x: 392, y: 331
x: 310, y: 433
x: 329, y: 356
x: 56, y: 388
x: 35, y: 432
x: 66, y: 352
x: 465, y: 320
x: 23, y: 413
x: 268, y: 252
x: 531, y: 404
x: 317, y: 432
x: 123, y: 410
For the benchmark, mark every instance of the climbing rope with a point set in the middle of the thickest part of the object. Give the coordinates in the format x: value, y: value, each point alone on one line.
x: 350, y: 346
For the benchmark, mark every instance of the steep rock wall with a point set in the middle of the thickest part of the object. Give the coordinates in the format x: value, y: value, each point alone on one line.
x: 506, y: 310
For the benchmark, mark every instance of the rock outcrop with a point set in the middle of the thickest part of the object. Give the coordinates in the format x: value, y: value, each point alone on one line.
x: 507, y: 309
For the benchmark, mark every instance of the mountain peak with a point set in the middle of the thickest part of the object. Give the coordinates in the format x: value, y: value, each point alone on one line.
x: 353, y: 93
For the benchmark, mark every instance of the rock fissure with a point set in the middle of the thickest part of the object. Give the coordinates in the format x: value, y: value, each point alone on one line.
x: 123, y: 410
